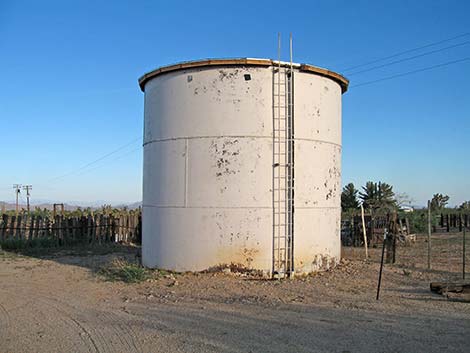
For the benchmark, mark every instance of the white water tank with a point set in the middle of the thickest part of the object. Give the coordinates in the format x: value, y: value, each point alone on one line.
x: 209, y: 165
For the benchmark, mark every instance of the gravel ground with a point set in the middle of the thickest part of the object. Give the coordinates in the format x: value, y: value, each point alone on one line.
x: 62, y: 304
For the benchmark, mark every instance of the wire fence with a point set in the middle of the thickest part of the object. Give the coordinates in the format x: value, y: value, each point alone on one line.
x: 430, y: 245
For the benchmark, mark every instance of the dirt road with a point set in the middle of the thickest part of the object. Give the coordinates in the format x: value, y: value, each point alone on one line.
x: 61, y: 305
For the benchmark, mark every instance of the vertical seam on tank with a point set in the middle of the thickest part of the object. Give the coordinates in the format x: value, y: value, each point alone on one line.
x: 272, y: 175
x: 186, y: 152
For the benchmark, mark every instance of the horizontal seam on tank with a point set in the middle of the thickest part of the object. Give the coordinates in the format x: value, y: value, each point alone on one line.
x: 203, y: 137
x: 316, y: 208
x: 246, y: 136
x: 316, y: 140
x: 239, y: 207
x: 212, y: 207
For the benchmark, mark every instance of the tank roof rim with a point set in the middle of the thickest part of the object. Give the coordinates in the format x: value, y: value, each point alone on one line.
x: 338, y: 78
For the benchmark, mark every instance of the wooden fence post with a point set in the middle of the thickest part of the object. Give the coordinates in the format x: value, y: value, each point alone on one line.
x: 464, y: 253
x: 89, y: 232
x: 11, y: 234
x: 31, y: 228
x: 139, y: 219
x: 3, y: 227
x: 36, y: 227
x: 429, y: 233
x: 18, y: 227
x: 364, y: 231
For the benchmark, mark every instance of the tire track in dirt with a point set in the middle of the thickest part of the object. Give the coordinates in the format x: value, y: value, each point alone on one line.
x: 126, y: 331
x: 90, y: 337
x: 98, y: 328
x: 48, y: 314
x: 105, y: 326
x: 4, y: 319
x: 26, y: 316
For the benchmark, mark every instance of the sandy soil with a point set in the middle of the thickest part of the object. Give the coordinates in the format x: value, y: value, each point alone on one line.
x: 61, y: 304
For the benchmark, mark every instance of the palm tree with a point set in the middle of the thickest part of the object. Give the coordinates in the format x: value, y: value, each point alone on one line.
x: 378, y: 196
x: 349, y: 199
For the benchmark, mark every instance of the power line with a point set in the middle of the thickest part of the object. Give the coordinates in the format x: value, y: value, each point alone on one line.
x: 405, y: 52
x: 409, y: 58
x: 96, y: 160
x: 112, y: 160
x: 80, y: 172
x: 412, y: 72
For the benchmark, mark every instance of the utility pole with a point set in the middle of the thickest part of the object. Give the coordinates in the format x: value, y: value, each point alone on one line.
x: 17, y: 188
x: 27, y: 188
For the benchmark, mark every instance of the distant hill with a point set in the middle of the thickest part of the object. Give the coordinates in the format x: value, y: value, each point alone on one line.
x: 130, y: 206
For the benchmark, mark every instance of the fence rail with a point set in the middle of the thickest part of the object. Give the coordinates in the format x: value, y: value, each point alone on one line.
x: 66, y: 230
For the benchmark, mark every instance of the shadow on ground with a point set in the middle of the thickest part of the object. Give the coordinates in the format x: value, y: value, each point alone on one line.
x: 90, y: 256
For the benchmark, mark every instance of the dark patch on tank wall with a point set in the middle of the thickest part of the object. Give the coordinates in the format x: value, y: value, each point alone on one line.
x: 329, y: 194
x: 334, y: 174
x: 220, y: 222
x: 198, y: 90
x: 316, y: 112
x: 224, y: 75
x: 236, y: 102
x: 227, y: 77
x: 225, y: 153
x: 249, y: 255
x: 323, y: 262
x: 238, y: 235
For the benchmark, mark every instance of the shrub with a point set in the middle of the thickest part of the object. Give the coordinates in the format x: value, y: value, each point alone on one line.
x: 24, y: 244
x: 121, y: 270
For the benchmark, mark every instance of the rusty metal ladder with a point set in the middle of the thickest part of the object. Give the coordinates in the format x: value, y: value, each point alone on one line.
x: 283, y: 170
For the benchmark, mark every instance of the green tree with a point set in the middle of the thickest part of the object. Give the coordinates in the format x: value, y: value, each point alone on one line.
x: 378, y: 196
x: 439, y: 202
x: 349, y: 199
x: 465, y: 206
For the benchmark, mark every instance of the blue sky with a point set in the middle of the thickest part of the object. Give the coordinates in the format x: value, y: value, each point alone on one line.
x: 69, y: 93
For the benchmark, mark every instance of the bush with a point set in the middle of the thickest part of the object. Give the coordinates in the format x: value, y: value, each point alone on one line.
x: 23, y: 244
x: 419, y: 220
x: 121, y: 270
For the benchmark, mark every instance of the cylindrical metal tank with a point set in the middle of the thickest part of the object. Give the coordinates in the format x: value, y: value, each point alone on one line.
x: 209, y: 164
